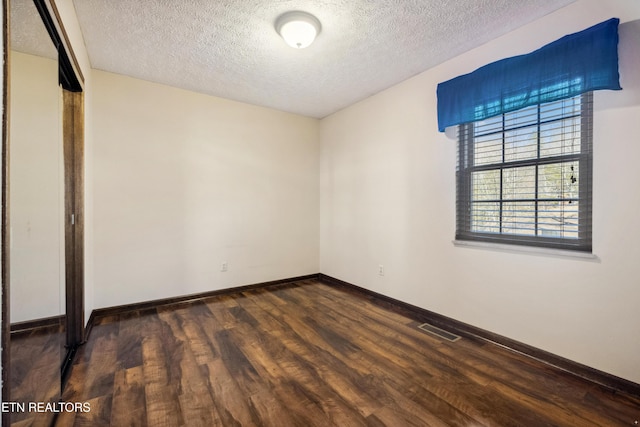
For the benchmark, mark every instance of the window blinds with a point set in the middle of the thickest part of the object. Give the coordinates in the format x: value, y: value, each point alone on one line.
x: 525, y: 178
x: 575, y: 64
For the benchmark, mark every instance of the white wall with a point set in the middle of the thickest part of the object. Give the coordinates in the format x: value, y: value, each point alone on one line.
x: 388, y: 197
x: 36, y: 189
x: 184, y: 182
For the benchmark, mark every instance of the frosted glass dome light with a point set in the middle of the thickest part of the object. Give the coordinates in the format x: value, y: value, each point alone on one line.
x: 298, y: 29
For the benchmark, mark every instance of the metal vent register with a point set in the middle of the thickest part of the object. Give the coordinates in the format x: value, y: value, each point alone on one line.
x: 440, y: 333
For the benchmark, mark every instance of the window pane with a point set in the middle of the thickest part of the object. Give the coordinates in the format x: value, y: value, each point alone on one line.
x: 559, y: 109
x: 521, y: 144
x: 488, y: 150
x: 524, y: 117
x: 519, y: 183
x: 485, y: 217
x: 485, y: 185
x: 558, y: 219
x: 559, y: 181
x: 492, y: 124
x: 519, y: 218
x: 560, y: 137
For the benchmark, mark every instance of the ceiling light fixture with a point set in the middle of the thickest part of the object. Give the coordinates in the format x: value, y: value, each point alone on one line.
x: 298, y: 29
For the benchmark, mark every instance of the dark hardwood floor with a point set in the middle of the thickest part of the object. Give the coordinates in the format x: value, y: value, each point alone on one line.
x: 36, y: 356
x: 309, y: 354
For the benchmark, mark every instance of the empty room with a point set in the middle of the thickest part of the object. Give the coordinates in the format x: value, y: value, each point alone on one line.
x: 320, y: 213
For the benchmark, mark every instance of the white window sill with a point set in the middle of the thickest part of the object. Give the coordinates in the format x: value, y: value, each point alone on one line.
x: 533, y: 250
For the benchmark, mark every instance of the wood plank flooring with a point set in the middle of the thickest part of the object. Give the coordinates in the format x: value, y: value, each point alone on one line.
x: 36, y: 356
x: 309, y: 354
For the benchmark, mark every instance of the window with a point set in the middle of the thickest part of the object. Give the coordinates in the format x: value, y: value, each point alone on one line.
x: 524, y: 177
x: 525, y: 151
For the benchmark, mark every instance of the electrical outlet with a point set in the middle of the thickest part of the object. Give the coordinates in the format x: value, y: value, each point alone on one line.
x: 224, y: 266
x: 381, y: 270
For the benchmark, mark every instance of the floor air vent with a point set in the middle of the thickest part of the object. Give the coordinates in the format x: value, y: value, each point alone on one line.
x: 440, y: 333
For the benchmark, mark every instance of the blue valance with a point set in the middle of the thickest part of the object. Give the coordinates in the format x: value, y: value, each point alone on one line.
x: 574, y: 64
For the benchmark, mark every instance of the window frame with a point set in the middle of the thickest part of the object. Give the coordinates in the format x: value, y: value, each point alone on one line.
x: 465, y: 169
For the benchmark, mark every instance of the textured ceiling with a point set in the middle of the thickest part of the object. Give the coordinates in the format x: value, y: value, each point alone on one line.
x: 230, y: 49
x: 27, y: 32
